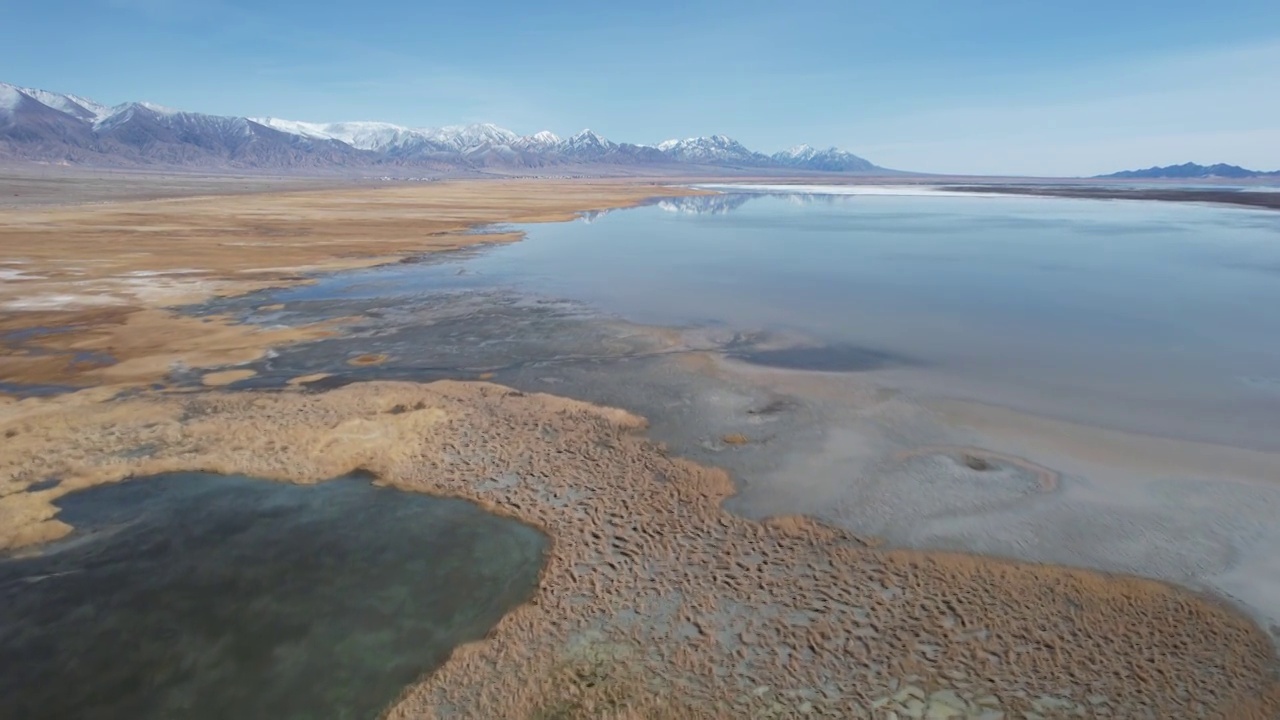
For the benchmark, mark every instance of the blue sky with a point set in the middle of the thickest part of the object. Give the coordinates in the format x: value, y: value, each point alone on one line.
x: 964, y: 86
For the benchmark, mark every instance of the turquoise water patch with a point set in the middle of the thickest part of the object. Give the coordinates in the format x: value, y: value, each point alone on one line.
x: 206, y: 596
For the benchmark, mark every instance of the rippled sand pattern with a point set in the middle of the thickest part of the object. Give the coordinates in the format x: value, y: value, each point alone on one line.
x: 657, y: 603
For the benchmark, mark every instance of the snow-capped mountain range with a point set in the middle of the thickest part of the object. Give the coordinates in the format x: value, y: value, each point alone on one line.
x: 38, y: 125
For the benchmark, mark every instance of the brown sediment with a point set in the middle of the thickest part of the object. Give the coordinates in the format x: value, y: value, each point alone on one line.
x: 304, y: 379
x: 226, y: 377
x: 655, y: 602
x: 367, y: 359
x: 101, y: 274
x: 977, y: 458
x: 134, y: 345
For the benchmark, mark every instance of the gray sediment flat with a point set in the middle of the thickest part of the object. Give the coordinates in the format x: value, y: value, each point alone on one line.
x: 1244, y: 198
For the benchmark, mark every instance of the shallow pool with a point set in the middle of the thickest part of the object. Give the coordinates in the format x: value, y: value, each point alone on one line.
x: 205, y: 596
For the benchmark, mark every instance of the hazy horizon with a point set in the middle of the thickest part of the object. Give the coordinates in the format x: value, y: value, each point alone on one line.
x: 1004, y: 89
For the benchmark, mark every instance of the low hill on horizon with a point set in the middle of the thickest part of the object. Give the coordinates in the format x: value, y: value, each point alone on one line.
x: 1192, y: 171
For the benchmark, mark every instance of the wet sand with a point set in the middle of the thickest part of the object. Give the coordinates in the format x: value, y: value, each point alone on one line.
x: 655, y: 600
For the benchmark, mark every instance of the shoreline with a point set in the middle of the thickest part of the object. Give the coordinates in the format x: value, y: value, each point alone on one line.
x: 187, y: 250
x: 368, y: 434
x: 1239, y: 198
x: 893, y: 466
x: 638, y: 562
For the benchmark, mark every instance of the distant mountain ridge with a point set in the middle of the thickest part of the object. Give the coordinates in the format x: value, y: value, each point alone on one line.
x: 43, y: 126
x: 831, y: 159
x: 1192, y: 171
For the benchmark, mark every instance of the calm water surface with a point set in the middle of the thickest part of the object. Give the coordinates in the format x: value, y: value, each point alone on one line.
x: 1154, y: 317
x: 204, y: 596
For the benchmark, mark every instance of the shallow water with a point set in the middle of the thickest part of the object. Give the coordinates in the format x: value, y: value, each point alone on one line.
x: 1151, y: 317
x: 205, y: 596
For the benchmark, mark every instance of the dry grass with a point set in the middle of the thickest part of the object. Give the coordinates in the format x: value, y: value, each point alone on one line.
x: 103, y: 274
x: 226, y: 377
x: 654, y: 600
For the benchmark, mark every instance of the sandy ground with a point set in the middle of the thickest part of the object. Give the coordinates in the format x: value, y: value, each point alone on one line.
x: 655, y: 601
x: 26, y: 185
x: 83, y: 287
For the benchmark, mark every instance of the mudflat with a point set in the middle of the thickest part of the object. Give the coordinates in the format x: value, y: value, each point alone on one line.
x: 85, y: 286
x: 1246, y: 198
x: 656, y: 601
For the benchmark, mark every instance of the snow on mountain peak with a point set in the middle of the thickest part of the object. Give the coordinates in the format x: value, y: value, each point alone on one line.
x: 723, y: 141
x: 369, y: 135
x: 382, y: 136
x: 157, y: 109
x: 588, y: 135
x: 545, y: 137
x: 799, y: 151
x: 93, y: 106
x: 360, y: 134
x: 123, y: 113
x: 703, y: 140
x: 832, y: 159
x: 83, y: 108
x: 587, y: 143
x: 469, y: 144
x: 543, y: 140
x: 710, y: 149
x: 470, y: 137
x: 315, y: 131
x: 10, y: 97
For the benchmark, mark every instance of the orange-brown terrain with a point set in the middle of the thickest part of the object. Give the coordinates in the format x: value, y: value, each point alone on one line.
x: 84, y: 287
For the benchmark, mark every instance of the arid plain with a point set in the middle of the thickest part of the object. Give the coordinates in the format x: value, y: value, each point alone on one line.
x: 655, y: 601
